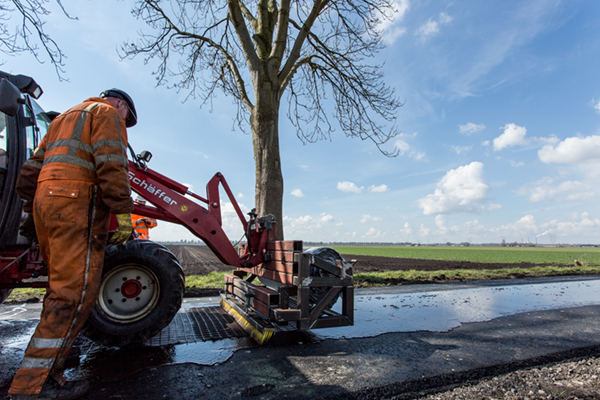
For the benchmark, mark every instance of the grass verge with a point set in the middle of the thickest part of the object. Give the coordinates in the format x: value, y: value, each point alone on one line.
x: 389, y: 278
x: 203, y: 285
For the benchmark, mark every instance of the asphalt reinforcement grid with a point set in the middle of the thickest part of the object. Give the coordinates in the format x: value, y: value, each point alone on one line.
x: 196, y: 325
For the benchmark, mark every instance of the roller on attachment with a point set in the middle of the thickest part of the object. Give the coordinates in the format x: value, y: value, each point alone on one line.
x: 257, y: 330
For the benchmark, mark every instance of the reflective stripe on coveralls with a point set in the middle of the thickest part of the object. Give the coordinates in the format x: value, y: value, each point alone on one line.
x: 74, y: 196
x: 142, y: 227
x: 73, y: 290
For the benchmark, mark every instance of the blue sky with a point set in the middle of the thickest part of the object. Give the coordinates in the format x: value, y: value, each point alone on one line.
x: 500, y: 128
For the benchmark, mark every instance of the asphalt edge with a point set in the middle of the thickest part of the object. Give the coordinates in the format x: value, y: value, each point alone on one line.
x: 426, y: 386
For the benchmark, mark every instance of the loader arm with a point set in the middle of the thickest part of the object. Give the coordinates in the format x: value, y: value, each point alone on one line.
x: 172, y: 205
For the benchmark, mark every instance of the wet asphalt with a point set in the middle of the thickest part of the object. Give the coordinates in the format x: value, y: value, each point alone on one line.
x: 406, y: 341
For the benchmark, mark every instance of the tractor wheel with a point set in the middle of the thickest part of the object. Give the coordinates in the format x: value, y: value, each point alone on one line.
x: 4, y: 293
x: 141, y: 291
x: 327, y: 254
x: 330, y: 255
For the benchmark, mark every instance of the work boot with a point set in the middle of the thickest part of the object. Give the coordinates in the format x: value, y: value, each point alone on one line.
x: 53, y: 391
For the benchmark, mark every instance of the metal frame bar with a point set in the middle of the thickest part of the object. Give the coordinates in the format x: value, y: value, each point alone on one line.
x: 293, y: 303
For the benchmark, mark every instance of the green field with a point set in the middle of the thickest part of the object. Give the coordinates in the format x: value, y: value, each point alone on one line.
x: 509, y: 255
x: 588, y: 257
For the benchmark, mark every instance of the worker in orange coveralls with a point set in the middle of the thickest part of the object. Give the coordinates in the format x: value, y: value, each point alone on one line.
x: 76, y: 178
x: 142, y: 224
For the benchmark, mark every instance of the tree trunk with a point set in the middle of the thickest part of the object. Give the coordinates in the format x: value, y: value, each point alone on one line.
x: 264, y: 123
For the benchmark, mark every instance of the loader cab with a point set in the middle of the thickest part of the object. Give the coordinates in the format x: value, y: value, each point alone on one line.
x: 22, y: 125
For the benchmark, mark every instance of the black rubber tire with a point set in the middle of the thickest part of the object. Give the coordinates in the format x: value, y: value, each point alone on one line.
x: 327, y: 254
x: 111, y: 326
x: 4, y: 293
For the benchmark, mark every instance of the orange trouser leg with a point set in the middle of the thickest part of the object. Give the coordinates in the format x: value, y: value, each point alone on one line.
x: 71, y: 226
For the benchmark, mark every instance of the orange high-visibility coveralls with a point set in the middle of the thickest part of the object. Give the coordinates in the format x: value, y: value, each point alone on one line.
x: 76, y: 178
x: 142, y: 224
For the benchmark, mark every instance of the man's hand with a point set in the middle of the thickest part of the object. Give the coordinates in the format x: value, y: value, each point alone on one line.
x: 27, y: 228
x: 124, y: 229
x: 143, y: 220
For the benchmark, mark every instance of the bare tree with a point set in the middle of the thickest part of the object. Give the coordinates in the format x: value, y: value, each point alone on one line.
x: 27, y: 32
x: 257, y: 51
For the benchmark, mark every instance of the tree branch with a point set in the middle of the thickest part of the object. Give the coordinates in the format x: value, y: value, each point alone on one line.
x: 280, y: 41
x: 179, y: 34
x: 235, y: 15
x: 32, y: 12
x: 299, y: 42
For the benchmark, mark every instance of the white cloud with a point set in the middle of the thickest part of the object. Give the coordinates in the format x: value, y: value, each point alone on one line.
x: 548, y: 190
x: 428, y: 29
x: 402, y: 146
x: 401, y: 7
x: 513, y: 135
x: 423, y: 230
x: 349, y: 187
x: 461, y: 149
x: 392, y: 34
x: 432, y: 27
x: 461, y: 190
x: 470, y: 128
x: 308, y: 226
x: 406, y: 230
x: 297, y: 193
x: 440, y: 222
x: 596, y: 105
x: 573, y: 150
x: 469, y: 228
x: 580, y: 224
x: 231, y: 221
x: 374, y: 233
x: 524, y: 226
x: 445, y: 19
x: 418, y: 156
x: 166, y: 231
x: 388, y: 26
x: 326, y: 218
x: 513, y: 163
x: 378, y: 189
x: 368, y: 218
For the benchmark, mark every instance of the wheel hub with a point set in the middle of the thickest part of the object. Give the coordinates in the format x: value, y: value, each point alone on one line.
x: 132, y: 288
x: 128, y: 293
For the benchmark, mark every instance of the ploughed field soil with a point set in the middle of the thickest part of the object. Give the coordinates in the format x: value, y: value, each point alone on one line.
x: 197, y: 260
x: 382, y: 264
x: 200, y: 260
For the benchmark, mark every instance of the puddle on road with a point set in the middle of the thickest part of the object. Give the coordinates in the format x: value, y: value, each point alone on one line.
x: 98, y: 362
x: 18, y: 339
x: 441, y: 311
x: 437, y: 311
